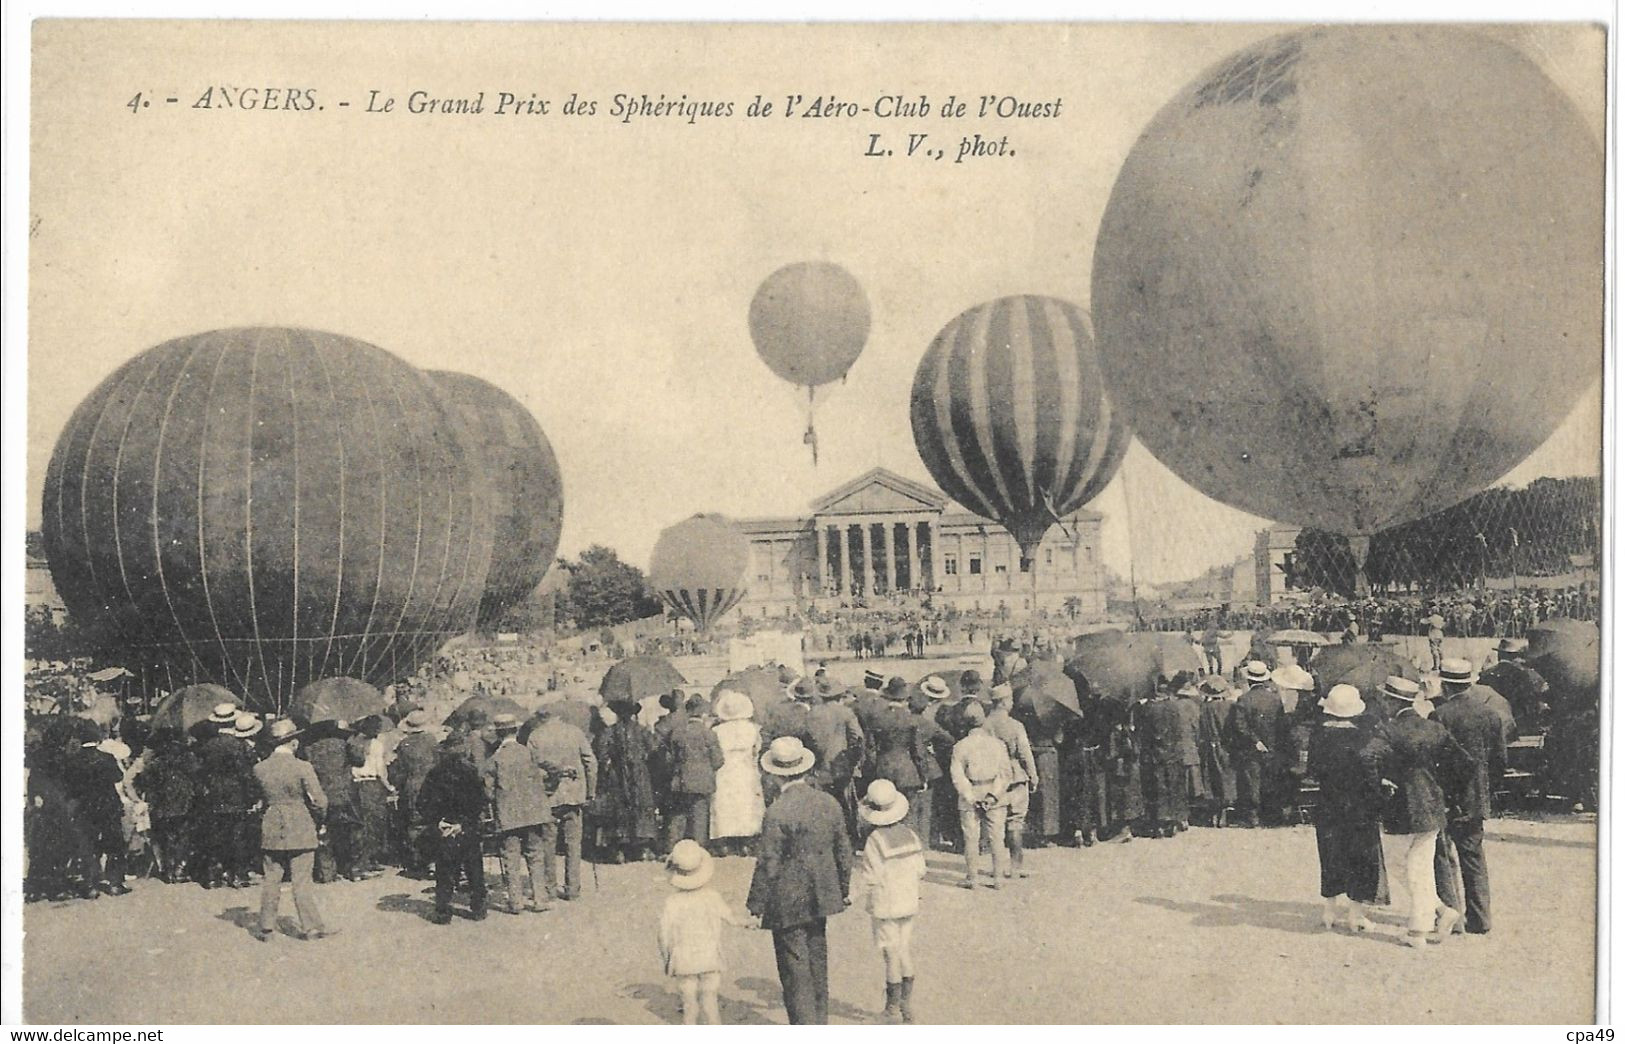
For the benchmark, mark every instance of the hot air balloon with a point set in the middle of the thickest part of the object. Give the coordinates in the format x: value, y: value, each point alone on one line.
x: 698, y: 568
x: 809, y: 321
x: 263, y: 507
x: 1326, y: 260
x: 1010, y: 415
x: 527, y: 489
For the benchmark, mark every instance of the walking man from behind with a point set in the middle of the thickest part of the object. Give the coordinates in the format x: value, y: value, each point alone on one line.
x: 803, y: 874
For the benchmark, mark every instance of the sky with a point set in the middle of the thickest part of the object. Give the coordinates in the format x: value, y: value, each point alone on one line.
x: 600, y: 271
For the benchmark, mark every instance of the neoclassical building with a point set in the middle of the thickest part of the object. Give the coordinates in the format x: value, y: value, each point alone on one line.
x: 882, y: 534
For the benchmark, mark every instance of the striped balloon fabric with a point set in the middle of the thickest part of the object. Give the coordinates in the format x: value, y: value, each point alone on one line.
x: 698, y: 568
x: 261, y: 507
x: 527, y: 489
x: 1010, y: 414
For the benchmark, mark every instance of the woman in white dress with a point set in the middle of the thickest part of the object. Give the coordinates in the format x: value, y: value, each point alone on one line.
x: 736, y: 811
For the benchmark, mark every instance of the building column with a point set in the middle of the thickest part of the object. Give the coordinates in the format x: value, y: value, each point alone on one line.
x: 823, y: 558
x: 933, y: 534
x: 911, y: 539
x: 868, y: 558
x: 891, y: 557
x: 843, y: 551
x: 987, y: 560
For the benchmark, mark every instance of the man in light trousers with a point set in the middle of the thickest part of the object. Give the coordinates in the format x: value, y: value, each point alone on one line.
x: 980, y: 770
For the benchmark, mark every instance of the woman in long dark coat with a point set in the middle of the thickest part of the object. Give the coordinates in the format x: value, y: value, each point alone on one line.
x: 1348, y: 818
x: 624, y: 811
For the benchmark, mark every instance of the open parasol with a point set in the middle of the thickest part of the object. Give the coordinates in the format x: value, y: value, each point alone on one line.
x: 1043, y: 693
x: 639, y: 677
x: 336, y: 699
x: 478, y: 710
x: 187, y: 706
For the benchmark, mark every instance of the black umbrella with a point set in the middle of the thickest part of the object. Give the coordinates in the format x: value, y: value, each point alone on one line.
x: 187, y: 706
x: 1045, y: 694
x: 478, y: 710
x: 336, y: 699
x: 638, y: 677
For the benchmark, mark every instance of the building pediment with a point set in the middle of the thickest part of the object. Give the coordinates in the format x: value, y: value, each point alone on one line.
x: 879, y: 492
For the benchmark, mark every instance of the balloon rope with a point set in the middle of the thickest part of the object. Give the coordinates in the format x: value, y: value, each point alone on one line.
x: 1128, y: 517
x: 810, y: 438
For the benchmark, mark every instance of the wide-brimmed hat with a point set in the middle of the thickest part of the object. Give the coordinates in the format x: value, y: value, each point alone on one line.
x: 1399, y: 688
x: 1343, y: 702
x: 896, y: 691
x: 873, y: 679
x: 828, y: 690
x: 788, y: 756
x: 416, y: 721
x: 505, y: 723
x: 1459, y: 672
x: 283, y: 730
x: 224, y: 714
x: 1512, y: 647
x: 246, y: 725
x: 733, y: 706
x: 802, y: 689
x: 690, y: 865
x: 883, y: 804
x: 1002, y: 693
x: 1292, y: 677
x: 1256, y: 671
x: 1215, y: 685
x: 936, y: 688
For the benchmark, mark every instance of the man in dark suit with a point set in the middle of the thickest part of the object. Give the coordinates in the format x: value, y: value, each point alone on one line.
x: 838, y: 740
x: 451, y: 802
x: 803, y: 870
x: 226, y: 774
x: 1481, y: 732
x: 415, y: 757
x: 516, y: 782
x: 1258, y: 734
x: 693, y: 755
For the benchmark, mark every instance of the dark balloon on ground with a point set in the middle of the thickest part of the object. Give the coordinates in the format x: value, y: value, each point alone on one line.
x: 261, y: 507
x: 527, y: 488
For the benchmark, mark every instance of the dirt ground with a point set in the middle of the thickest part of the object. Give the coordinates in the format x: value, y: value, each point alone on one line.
x: 1211, y: 926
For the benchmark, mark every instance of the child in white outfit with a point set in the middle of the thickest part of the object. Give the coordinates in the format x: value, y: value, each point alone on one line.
x: 691, y: 931
x: 893, y: 865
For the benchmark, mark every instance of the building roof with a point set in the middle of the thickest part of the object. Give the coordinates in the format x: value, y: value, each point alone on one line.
x: 878, y: 480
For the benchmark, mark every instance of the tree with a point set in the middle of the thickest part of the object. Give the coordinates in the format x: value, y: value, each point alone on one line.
x: 604, y: 591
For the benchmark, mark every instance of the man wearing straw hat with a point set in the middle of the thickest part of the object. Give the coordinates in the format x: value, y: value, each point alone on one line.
x: 1464, y: 709
x: 226, y: 778
x: 803, y: 873
x: 293, y: 799
x: 1421, y: 766
x: 1258, y: 730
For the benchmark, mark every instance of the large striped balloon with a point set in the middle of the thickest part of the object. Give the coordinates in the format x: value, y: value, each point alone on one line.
x: 260, y: 507
x: 526, y: 488
x: 698, y: 567
x: 1010, y: 415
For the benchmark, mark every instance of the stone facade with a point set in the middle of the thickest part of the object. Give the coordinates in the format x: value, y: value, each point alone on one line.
x: 882, y: 536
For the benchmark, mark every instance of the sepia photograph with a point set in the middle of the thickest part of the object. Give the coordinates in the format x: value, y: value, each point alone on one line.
x: 935, y: 523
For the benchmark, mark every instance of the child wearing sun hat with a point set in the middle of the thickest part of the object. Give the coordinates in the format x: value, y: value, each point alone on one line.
x: 893, y: 866
x: 691, y: 931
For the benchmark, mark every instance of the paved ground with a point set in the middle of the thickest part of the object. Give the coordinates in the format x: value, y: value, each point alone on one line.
x: 1212, y: 926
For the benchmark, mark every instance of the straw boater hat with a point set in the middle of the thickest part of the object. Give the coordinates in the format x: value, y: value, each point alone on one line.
x: 416, y: 721
x: 690, y: 865
x: 788, y: 756
x: 1343, y: 702
x: 246, y: 725
x: 505, y: 723
x: 882, y: 804
x: 1397, y: 688
x: 733, y: 706
x: 1256, y: 671
x: 1456, y: 672
x: 1292, y: 677
x: 224, y: 714
x: 935, y: 688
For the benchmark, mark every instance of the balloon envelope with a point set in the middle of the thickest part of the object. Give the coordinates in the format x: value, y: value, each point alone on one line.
x: 698, y: 567
x: 809, y: 321
x: 1568, y: 654
x: 527, y: 488
x: 1322, y: 260
x: 260, y: 507
x: 1010, y: 415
